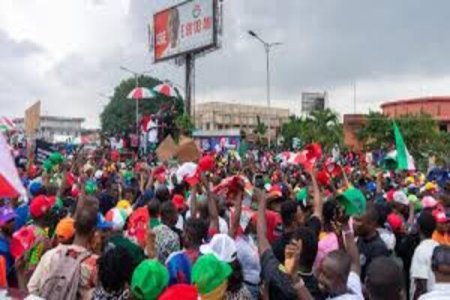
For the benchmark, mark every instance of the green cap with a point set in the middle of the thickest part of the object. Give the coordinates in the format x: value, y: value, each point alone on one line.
x: 149, y: 280
x: 90, y: 187
x: 47, y: 165
x: 56, y: 158
x: 417, y: 204
x: 209, y: 273
x: 136, y: 253
x: 353, y: 201
x: 302, y: 195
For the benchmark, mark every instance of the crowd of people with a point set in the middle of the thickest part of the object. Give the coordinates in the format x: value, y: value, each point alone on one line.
x: 260, y: 225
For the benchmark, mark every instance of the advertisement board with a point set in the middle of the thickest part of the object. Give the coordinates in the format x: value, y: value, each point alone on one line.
x: 32, y: 119
x: 186, y: 27
x: 313, y: 101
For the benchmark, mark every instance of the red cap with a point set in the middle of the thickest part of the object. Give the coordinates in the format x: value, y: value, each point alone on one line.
x: 206, y: 163
x: 323, y: 178
x: 390, y: 196
x: 178, y: 201
x: 39, y: 206
x: 275, y: 190
x: 439, y: 216
x: 32, y: 171
x: 115, y: 155
x: 180, y: 291
x: 395, y: 222
x: 70, y: 179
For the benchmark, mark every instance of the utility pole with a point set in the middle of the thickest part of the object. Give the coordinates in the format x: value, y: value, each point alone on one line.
x: 267, y: 47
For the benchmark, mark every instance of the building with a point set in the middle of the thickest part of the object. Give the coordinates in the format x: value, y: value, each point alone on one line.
x: 352, y: 122
x: 437, y: 107
x: 54, y: 129
x: 220, y: 115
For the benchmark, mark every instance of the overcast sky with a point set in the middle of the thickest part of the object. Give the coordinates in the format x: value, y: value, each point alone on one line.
x: 66, y: 52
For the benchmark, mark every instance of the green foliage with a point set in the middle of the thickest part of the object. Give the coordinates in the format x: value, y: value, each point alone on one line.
x: 119, y: 115
x: 419, y: 131
x: 184, y: 124
x: 321, y: 126
x: 261, y: 128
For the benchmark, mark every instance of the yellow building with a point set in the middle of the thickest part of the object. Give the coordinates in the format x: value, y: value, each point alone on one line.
x: 221, y: 115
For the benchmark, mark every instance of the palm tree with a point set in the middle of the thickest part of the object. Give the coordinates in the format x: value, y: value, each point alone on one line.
x: 325, y: 128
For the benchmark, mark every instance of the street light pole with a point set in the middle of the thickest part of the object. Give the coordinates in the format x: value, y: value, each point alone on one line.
x: 267, y: 47
x: 136, y: 74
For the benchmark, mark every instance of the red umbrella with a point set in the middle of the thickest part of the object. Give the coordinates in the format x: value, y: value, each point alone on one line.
x: 165, y: 89
x: 139, y: 93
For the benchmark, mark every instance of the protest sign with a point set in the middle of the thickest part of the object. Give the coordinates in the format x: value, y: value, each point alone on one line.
x: 167, y: 149
x: 43, y: 150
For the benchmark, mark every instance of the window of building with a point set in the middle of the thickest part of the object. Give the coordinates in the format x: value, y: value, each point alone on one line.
x: 443, y: 127
x: 208, y: 126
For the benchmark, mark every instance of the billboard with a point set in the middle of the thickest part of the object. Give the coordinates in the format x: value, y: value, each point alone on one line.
x: 32, y: 119
x: 186, y: 27
x: 313, y: 101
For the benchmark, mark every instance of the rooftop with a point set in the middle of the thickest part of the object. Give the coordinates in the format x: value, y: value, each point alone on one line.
x: 417, y: 100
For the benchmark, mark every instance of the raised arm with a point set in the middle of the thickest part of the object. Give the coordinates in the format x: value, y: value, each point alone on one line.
x: 212, y: 206
x: 236, y: 217
x: 318, y: 202
x: 351, y: 248
x: 261, y: 227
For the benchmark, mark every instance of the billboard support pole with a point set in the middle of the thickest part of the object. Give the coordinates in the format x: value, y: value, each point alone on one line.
x: 188, y: 83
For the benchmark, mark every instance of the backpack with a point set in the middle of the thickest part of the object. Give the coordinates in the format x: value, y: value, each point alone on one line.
x: 63, y: 281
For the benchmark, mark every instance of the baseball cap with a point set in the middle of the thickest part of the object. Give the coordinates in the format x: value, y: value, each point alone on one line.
x: 39, y: 206
x: 209, y: 273
x: 206, y: 163
x: 35, y: 187
x: 7, y: 214
x: 395, y: 222
x: 149, y: 280
x: 180, y: 291
x: 179, y: 267
x: 301, y: 195
x: 65, y: 229
x: 430, y: 186
x: 178, y: 201
x: 353, y: 201
x: 429, y: 202
x: 56, y: 158
x: 439, y: 216
x: 102, y: 223
x: 125, y: 205
x: 117, y: 217
x: 400, y: 197
x: 222, y: 246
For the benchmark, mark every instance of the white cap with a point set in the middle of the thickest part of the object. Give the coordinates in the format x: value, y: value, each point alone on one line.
x: 400, y: 197
x: 98, y: 174
x: 222, y: 246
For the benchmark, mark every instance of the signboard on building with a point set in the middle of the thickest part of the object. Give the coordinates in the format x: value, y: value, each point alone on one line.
x: 187, y: 27
x: 313, y: 101
x: 32, y: 118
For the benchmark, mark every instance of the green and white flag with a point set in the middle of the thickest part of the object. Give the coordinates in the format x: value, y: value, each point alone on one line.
x: 404, y: 160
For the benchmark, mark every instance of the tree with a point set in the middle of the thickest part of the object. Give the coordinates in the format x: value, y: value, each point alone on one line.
x: 119, y: 115
x: 420, y: 132
x: 325, y: 128
x: 184, y: 124
x: 321, y: 126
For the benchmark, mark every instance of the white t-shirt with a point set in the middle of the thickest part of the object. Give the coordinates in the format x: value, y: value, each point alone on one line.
x: 247, y: 254
x: 153, y: 132
x: 441, y: 291
x: 354, y: 285
x: 421, y: 265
